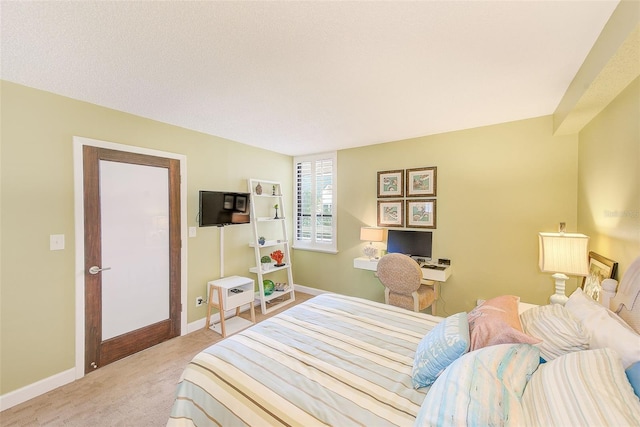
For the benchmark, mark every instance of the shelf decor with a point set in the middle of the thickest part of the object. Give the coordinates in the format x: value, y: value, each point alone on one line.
x: 421, y: 182
x: 265, y: 263
x: 421, y: 213
x: 390, y: 213
x: 268, y: 286
x: 391, y: 183
x: 278, y: 256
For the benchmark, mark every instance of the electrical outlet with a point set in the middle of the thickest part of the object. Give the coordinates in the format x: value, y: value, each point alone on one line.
x: 199, y: 301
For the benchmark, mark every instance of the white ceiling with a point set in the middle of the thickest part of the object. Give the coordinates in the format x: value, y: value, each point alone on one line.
x: 301, y: 77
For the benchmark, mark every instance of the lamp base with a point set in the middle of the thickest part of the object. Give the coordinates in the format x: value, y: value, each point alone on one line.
x: 559, y: 297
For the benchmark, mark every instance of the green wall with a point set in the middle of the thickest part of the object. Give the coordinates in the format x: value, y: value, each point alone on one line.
x: 498, y: 186
x: 37, y: 307
x: 609, y: 179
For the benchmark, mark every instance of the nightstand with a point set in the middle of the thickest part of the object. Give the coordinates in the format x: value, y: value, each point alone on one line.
x: 226, y: 294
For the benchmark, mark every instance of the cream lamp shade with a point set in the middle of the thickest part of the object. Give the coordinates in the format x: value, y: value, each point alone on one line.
x: 371, y: 234
x: 563, y: 254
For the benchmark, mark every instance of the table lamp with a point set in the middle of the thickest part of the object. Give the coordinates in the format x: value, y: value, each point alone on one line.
x: 371, y: 235
x: 563, y: 253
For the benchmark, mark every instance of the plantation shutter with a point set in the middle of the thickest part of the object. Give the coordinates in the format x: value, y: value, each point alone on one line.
x: 315, y: 225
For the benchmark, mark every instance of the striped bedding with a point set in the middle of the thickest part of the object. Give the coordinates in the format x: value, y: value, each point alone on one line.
x: 583, y: 388
x: 332, y: 360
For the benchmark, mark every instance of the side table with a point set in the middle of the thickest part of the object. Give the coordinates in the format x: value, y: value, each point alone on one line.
x: 226, y: 294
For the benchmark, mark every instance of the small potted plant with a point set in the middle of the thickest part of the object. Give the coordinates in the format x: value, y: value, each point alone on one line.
x: 261, y: 240
x: 266, y: 263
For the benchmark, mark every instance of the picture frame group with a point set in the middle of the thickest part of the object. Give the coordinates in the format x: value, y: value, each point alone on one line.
x: 406, y: 197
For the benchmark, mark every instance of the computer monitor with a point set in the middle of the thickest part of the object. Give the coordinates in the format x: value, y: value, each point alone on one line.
x: 416, y: 244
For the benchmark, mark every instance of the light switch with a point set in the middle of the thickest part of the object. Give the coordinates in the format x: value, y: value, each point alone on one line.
x: 192, y: 232
x: 56, y: 242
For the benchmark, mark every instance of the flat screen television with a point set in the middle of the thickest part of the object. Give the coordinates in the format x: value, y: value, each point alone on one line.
x: 416, y: 244
x: 220, y: 208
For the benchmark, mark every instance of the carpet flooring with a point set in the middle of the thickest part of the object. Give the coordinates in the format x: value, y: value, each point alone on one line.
x: 135, y: 391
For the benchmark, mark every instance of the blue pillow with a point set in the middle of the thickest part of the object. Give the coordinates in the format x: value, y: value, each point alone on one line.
x: 439, y: 348
x: 633, y: 373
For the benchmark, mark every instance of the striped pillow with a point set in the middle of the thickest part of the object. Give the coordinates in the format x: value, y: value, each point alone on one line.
x: 468, y: 391
x: 559, y: 330
x: 581, y: 388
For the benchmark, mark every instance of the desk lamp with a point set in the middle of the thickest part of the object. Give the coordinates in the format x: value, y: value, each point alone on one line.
x: 371, y: 235
x: 563, y: 253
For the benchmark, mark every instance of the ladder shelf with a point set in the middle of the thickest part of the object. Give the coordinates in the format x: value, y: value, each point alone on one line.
x: 265, y: 219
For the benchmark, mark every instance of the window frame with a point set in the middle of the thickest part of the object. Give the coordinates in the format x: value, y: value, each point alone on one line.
x: 313, y: 244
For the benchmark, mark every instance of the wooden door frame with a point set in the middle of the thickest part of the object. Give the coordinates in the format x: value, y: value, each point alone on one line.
x: 78, y: 144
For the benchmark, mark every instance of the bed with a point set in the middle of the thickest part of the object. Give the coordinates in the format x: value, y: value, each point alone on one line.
x: 345, y: 361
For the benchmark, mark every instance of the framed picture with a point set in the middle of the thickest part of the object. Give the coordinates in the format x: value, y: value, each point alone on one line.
x: 600, y: 268
x: 241, y: 203
x: 227, y: 202
x: 421, y: 213
x: 421, y: 182
x: 391, y: 183
x: 390, y: 213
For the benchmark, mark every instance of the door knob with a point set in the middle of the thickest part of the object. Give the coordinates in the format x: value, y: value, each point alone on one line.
x: 95, y: 269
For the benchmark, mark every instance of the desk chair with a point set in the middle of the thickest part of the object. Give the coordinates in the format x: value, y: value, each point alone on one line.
x: 402, y: 279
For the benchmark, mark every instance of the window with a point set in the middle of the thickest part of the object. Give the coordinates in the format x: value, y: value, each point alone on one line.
x: 315, y: 203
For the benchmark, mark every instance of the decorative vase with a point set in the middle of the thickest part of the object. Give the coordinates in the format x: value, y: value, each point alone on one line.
x: 258, y: 189
x: 276, y: 217
x: 268, y: 286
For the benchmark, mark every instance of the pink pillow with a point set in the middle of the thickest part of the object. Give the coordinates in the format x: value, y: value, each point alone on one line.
x: 496, y: 321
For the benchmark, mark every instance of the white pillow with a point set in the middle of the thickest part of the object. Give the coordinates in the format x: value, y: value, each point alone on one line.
x: 581, y: 388
x: 582, y: 306
x: 605, y: 328
x: 558, y: 329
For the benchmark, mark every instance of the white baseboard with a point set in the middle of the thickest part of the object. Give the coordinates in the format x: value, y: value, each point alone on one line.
x: 43, y: 386
x: 310, y: 291
x: 36, y: 389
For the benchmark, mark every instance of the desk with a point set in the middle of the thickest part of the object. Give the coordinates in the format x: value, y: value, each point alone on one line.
x: 431, y: 276
x: 437, y: 275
